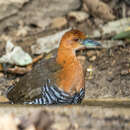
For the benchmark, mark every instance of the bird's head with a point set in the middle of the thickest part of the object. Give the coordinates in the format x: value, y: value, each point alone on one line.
x: 75, y: 40
x: 71, y: 41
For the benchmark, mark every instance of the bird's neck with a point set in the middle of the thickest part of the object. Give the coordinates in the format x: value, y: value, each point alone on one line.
x: 71, y: 77
x: 65, y: 57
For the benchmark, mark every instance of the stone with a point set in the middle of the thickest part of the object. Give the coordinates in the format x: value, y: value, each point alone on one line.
x: 1, y: 74
x: 42, y: 45
x: 31, y: 127
x: 43, y: 9
x: 79, y: 16
x: 35, y: 11
x: 116, y: 26
x: 10, y: 7
x: 98, y: 21
x: 15, y: 55
x: 91, y: 53
x: 3, y: 99
x: 9, y: 122
x: 124, y: 72
x: 128, y: 13
x: 59, y: 22
x: 99, y: 9
x: 43, y: 23
x: 93, y: 58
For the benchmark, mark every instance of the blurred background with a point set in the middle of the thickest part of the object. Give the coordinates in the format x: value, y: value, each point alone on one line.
x: 30, y: 30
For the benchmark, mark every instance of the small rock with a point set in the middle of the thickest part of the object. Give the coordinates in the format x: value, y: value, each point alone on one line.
x: 5, y: 37
x: 98, y: 21
x: 128, y: 13
x: 22, y: 31
x: 3, y: 99
x: 85, y: 8
x: 38, y: 10
x: 64, y: 125
x: 76, y: 125
x: 1, y: 75
x: 8, y: 122
x: 48, y: 43
x: 91, y: 53
x: 43, y: 23
x: 10, y: 7
x: 99, y: 9
x: 82, y: 59
x: 59, y: 22
x: 112, y: 28
x: 79, y: 16
x: 93, y: 58
x: 31, y: 127
x: 15, y: 55
x: 124, y: 72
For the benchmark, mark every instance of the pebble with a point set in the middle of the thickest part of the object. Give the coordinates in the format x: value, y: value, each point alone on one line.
x: 128, y: 13
x: 9, y: 122
x: 42, y: 45
x: 1, y: 75
x: 3, y: 99
x: 82, y: 59
x: 124, y: 72
x: 91, y: 53
x: 31, y: 127
x: 93, y: 58
x: 99, y: 9
x: 79, y: 16
x: 98, y: 21
x: 43, y: 23
x: 59, y: 22
x: 15, y: 55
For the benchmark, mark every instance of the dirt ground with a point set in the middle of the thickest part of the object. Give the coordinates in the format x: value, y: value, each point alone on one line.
x: 110, y: 67
x: 67, y: 118
x: 111, y: 76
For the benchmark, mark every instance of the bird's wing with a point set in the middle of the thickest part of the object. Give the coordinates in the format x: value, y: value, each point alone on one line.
x: 29, y: 86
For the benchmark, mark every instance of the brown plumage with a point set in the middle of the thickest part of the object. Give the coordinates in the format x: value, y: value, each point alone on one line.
x: 63, y: 72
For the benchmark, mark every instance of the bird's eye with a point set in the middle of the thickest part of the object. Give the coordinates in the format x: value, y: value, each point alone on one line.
x: 76, y: 39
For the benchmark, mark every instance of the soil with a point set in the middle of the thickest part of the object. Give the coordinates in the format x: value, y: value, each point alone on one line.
x: 111, y: 75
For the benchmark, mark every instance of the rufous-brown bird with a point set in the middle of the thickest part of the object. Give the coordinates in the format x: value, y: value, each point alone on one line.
x: 57, y: 80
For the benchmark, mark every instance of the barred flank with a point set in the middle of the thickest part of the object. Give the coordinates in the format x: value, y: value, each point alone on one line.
x: 54, y: 95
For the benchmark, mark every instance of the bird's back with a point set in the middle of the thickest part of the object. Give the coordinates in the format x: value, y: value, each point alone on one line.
x: 29, y: 86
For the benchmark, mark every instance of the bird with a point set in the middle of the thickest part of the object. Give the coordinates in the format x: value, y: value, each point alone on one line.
x: 58, y: 80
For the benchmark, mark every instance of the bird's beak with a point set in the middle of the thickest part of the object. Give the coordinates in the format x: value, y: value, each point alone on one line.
x: 91, y: 44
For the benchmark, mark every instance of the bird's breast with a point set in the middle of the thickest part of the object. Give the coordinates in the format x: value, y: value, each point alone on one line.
x: 71, y: 78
